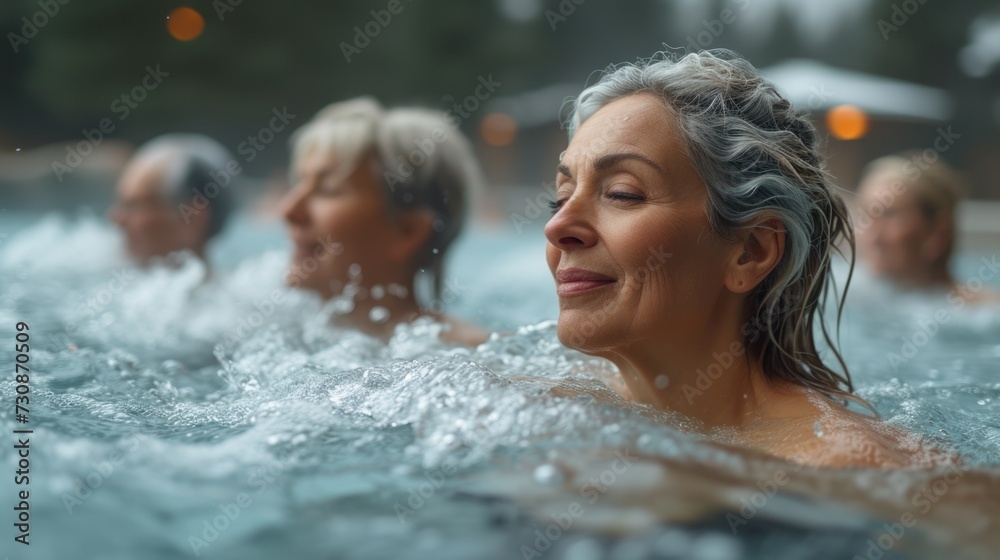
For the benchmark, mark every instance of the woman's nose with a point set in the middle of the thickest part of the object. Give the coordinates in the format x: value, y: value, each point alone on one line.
x: 572, y: 226
x: 292, y: 206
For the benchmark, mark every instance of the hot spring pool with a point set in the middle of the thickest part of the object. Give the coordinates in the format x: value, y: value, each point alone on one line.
x: 175, y: 419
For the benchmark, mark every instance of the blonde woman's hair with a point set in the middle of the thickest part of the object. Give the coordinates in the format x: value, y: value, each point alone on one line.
x: 420, y: 159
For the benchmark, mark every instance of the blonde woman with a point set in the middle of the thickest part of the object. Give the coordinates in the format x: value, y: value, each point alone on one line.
x: 378, y: 198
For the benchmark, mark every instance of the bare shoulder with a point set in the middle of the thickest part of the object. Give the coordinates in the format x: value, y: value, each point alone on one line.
x: 830, y: 435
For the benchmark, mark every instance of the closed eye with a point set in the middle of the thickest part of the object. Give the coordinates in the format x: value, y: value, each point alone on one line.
x: 624, y: 196
x: 555, y: 205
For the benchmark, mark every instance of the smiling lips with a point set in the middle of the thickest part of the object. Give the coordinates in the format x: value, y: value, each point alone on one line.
x: 574, y: 281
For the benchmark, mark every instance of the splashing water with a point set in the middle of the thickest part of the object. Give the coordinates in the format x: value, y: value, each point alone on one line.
x: 193, y: 413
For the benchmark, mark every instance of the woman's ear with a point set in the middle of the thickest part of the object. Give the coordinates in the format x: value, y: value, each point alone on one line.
x: 411, y: 231
x: 940, y: 239
x: 755, y: 256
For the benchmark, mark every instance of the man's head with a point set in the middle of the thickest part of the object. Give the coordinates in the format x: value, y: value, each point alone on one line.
x: 173, y: 195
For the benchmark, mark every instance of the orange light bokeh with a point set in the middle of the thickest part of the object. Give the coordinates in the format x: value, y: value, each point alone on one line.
x: 185, y: 24
x: 847, y: 122
x: 498, y: 129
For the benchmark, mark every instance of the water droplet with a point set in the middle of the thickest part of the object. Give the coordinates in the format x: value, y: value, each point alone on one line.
x: 548, y: 475
x: 378, y: 314
x: 398, y: 290
x: 18, y: 150
x: 354, y: 271
x: 981, y: 402
x: 435, y: 250
x: 343, y: 305
x: 377, y: 291
x: 438, y: 225
x: 661, y: 381
x: 818, y: 429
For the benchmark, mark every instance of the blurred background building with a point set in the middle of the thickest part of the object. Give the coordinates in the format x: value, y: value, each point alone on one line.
x: 84, y: 82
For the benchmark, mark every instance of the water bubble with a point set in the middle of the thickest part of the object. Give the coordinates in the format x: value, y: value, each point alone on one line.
x: 354, y: 271
x: 343, y: 305
x: 818, y: 429
x: 435, y: 250
x: 661, y: 381
x: 716, y: 546
x: 398, y: 290
x: 18, y: 150
x: 378, y: 314
x: 584, y: 549
x: 377, y: 291
x: 438, y: 225
x: 981, y: 401
x: 548, y: 474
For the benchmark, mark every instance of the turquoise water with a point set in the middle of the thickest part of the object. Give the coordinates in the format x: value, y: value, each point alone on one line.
x: 179, y: 418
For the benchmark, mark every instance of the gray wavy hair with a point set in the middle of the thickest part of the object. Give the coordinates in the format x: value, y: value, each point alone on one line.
x: 759, y: 160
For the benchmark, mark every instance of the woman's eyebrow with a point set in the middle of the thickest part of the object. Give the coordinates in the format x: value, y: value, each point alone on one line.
x: 606, y: 162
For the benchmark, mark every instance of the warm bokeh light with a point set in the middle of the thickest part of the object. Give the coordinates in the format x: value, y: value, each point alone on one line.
x: 498, y: 129
x: 847, y: 122
x: 185, y: 24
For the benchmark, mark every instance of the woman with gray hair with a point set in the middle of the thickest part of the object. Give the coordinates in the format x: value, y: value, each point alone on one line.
x: 378, y: 198
x: 691, y: 242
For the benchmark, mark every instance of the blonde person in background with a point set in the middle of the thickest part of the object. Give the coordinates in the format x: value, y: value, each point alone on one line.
x: 907, y: 226
x: 378, y: 197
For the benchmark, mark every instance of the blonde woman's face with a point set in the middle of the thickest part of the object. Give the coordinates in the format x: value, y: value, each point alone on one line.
x: 338, y: 225
x: 895, y: 237
x: 630, y: 246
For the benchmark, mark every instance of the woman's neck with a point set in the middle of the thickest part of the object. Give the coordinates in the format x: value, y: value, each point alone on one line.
x: 710, y: 379
x: 378, y: 314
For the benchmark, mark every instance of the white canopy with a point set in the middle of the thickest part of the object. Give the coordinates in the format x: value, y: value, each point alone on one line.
x: 812, y: 86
